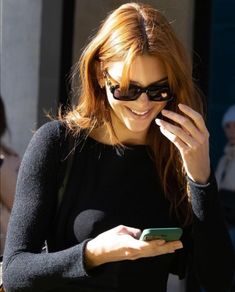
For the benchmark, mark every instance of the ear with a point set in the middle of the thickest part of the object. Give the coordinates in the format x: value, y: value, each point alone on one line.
x: 99, y: 74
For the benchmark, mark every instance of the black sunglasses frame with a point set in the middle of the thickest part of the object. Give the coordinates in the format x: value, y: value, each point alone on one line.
x: 140, y: 90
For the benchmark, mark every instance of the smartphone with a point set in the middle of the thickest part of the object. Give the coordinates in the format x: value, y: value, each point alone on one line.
x: 168, y: 233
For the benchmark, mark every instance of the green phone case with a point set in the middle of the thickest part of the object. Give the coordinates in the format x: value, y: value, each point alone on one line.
x: 168, y: 234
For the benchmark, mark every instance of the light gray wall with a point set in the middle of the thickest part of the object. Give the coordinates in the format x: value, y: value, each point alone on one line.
x: 30, y: 64
x: 20, y: 57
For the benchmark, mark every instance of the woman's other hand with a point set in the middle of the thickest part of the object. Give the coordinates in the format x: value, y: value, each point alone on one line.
x: 191, y: 137
x: 122, y: 243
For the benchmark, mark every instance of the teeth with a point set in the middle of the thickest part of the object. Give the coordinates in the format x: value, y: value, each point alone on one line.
x: 139, y: 113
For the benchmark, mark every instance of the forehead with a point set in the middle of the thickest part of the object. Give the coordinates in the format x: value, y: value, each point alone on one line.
x: 115, y: 69
x: 144, y: 70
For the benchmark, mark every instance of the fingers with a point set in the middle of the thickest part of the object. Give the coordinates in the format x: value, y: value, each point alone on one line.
x: 176, y: 134
x: 141, y: 249
x: 122, y: 229
x: 191, y: 137
x: 191, y: 129
x: 195, y: 116
x: 160, y: 247
x: 169, y: 247
x: 186, y: 124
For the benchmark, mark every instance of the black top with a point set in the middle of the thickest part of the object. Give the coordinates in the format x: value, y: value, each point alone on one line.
x: 107, y: 187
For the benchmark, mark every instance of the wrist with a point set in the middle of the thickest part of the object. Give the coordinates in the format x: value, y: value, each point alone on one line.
x: 92, y: 258
x: 200, y: 179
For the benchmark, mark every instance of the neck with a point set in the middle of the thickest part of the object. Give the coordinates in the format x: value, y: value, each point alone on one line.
x: 127, y: 136
x: 124, y: 135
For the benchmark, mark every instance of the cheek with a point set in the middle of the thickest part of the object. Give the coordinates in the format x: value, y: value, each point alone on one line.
x: 110, y: 98
x: 112, y: 102
x: 116, y: 105
x: 159, y: 106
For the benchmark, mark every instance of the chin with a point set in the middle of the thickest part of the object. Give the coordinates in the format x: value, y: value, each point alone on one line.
x: 138, y: 128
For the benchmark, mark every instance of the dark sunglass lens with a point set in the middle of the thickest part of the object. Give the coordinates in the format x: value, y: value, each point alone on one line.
x: 133, y: 92
x: 160, y: 94
x: 116, y: 92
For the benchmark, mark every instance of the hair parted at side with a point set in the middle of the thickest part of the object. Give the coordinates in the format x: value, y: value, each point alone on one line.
x: 130, y: 30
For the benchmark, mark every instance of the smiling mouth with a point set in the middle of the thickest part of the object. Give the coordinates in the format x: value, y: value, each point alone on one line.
x: 139, y: 113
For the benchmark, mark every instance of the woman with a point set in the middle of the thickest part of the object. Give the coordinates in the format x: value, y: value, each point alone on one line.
x: 130, y: 171
x: 10, y: 162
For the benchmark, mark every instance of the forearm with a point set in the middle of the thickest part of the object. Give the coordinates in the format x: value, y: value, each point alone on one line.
x: 45, y: 270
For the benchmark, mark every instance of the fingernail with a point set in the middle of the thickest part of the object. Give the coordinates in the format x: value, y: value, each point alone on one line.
x: 158, y: 121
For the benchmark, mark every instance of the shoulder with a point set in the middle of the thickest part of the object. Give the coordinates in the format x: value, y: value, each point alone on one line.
x: 44, y: 150
x: 56, y: 138
x: 52, y: 129
x: 50, y: 133
x: 46, y: 140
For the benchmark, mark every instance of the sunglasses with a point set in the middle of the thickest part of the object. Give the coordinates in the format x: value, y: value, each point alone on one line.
x: 156, y: 92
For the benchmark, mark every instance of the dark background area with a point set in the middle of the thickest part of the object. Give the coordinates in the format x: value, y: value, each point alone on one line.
x: 214, y: 63
x: 222, y: 70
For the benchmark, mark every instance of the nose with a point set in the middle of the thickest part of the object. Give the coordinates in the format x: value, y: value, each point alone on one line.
x: 143, y: 98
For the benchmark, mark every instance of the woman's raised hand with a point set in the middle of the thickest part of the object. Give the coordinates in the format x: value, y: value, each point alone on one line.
x: 191, y: 137
x: 122, y: 243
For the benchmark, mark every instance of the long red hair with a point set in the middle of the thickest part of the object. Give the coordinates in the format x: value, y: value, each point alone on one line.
x: 130, y: 30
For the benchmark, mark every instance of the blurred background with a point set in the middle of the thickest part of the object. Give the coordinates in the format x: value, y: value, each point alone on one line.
x: 41, y: 40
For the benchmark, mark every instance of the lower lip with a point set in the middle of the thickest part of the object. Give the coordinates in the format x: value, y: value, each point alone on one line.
x: 139, y: 117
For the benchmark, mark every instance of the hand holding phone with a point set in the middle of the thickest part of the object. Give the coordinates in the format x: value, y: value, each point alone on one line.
x: 167, y: 234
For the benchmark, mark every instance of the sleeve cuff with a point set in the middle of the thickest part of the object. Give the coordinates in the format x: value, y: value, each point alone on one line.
x: 191, y: 182
x: 204, y: 197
